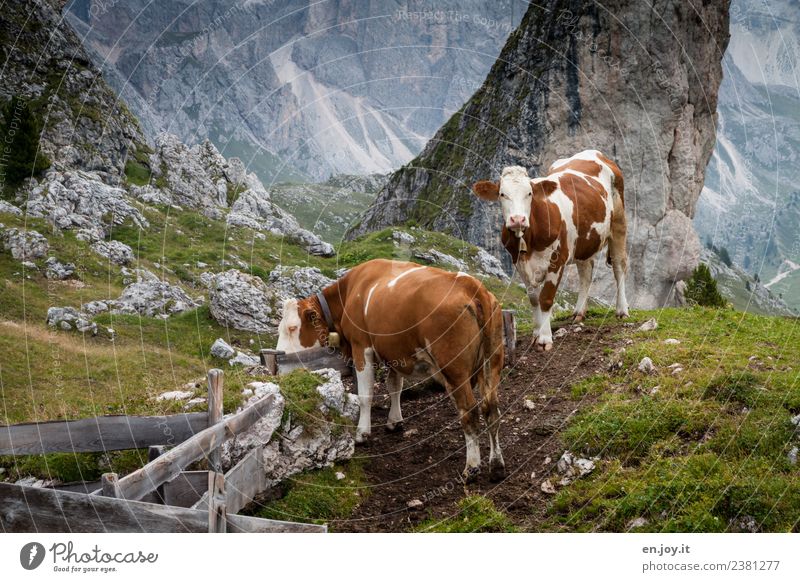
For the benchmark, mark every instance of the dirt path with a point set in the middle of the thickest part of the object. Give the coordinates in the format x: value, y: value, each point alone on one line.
x: 426, y: 460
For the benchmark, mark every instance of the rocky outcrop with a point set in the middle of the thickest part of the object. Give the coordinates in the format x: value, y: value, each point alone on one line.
x: 297, y: 282
x: 575, y: 76
x: 86, y: 125
x: 243, y: 302
x: 148, y: 296
x: 78, y: 200
x: 68, y: 318
x: 56, y: 270
x: 117, y: 252
x: 24, y: 245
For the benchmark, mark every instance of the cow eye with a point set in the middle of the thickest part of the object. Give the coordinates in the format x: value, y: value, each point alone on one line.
x: 503, y: 195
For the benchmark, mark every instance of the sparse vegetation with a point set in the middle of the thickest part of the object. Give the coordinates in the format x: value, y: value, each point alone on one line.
x: 701, y: 288
x: 475, y: 514
x: 19, y: 134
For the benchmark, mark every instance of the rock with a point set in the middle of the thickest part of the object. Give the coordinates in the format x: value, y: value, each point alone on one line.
x: 636, y: 522
x: 8, y: 208
x: 560, y: 332
x: 243, y: 359
x: 297, y: 282
x: 791, y: 456
x: 24, y: 245
x: 414, y: 504
x: 221, y: 349
x: 68, y: 317
x: 529, y: 404
x: 672, y: 341
x: 56, y: 270
x: 151, y: 195
x: 201, y: 265
x: 547, y: 487
x: 649, y: 325
x: 194, y: 402
x: 30, y: 266
x: 646, y: 365
x: 339, y: 475
x: 175, y: 395
x: 243, y: 302
x: 744, y: 523
x: 490, y: 265
x: 78, y: 200
x: 573, y: 467
x: 152, y: 298
x: 402, y: 237
x: 434, y: 256
x: 796, y: 420
x: 117, y: 252
x: 676, y: 371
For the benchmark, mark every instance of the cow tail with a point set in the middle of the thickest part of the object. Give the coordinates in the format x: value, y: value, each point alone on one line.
x: 489, y: 318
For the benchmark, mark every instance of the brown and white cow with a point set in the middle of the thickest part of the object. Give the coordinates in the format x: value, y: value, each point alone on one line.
x: 570, y: 215
x: 413, y: 319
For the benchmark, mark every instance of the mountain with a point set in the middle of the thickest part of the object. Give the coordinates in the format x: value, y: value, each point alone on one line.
x: 638, y: 82
x: 297, y: 90
x: 750, y: 204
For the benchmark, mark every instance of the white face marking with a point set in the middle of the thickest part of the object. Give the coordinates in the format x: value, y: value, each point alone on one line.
x: 515, y: 197
x: 394, y: 281
x: 462, y: 274
x: 369, y: 296
x: 289, y: 329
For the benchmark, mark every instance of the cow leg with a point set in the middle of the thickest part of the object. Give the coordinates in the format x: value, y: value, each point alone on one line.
x: 394, y: 382
x: 585, y: 269
x: 618, y: 255
x: 533, y: 297
x: 460, y: 390
x: 544, y: 338
x: 489, y: 383
x: 365, y: 377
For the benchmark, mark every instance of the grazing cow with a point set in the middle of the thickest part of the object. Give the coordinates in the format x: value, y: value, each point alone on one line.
x: 569, y: 215
x: 413, y: 319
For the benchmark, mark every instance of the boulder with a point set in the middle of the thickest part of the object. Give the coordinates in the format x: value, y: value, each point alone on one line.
x: 8, y: 208
x: 25, y: 245
x: 646, y: 366
x: 153, y: 298
x: 221, y: 349
x: 117, y: 252
x: 243, y: 359
x: 55, y: 269
x: 490, y: 265
x: 243, y: 302
x: 68, y: 318
x: 297, y: 282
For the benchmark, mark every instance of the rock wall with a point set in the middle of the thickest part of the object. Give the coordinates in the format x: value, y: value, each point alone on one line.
x: 635, y: 80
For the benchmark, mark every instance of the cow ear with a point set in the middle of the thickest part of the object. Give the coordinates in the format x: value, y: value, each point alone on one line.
x: 543, y: 187
x: 486, y: 190
x: 309, y: 315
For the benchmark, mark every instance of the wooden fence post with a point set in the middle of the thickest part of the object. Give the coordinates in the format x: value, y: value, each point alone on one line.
x: 215, y: 383
x: 269, y: 358
x: 153, y: 453
x: 217, y: 504
x: 110, y: 484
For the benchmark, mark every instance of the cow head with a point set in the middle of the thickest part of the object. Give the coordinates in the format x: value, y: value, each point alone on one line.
x: 515, y: 194
x: 302, y: 326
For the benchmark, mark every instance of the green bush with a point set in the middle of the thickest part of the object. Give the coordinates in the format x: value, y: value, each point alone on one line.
x: 701, y: 288
x: 20, y: 157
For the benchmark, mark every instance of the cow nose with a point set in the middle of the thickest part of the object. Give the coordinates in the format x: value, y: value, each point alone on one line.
x: 517, y: 220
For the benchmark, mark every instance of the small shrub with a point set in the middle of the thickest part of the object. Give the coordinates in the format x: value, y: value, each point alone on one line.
x: 137, y: 173
x: 739, y: 388
x: 701, y: 288
x: 19, y: 132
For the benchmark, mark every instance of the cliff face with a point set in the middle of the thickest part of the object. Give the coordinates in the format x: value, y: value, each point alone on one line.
x: 297, y: 88
x: 637, y: 82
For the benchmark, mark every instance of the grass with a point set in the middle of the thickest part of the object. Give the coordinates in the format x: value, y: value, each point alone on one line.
x: 475, y: 514
x: 318, y: 496
x: 703, y: 449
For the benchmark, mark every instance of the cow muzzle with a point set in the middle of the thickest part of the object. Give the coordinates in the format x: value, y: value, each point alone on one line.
x: 517, y: 223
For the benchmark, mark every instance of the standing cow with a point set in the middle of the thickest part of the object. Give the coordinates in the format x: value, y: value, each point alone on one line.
x: 413, y: 319
x: 569, y: 215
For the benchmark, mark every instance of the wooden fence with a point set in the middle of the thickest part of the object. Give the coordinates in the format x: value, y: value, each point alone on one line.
x: 162, y: 496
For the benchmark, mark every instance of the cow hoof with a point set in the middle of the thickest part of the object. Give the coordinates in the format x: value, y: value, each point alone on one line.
x: 362, y: 438
x: 497, y: 472
x: 396, y: 427
x: 622, y: 314
x: 578, y: 317
x: 470, y: 474
x: 544, y: 347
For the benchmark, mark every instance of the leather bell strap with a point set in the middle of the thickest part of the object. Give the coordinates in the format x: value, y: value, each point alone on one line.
x: 333, y: 337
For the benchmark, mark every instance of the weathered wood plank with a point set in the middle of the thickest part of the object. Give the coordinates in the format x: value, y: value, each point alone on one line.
x: 311, y: 359
x: 215, y: 381
x: 243, y: 482
x: 99, y: 434
x: 42, y: 510
x: 186, y: 489
x: 217, y: 506
x: 152, y: 454
x: 170, y: 464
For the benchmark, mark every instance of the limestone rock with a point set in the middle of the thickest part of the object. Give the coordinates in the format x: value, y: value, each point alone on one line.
x: 56, y: 270
x: 24, y: 245
x: 649, y: 325
x: 221, y: 349
x: 243, y: 359
x: 153, y: 298
x: 243, y: 302
x: 646, y: 366
x: 115, y: 251
x: 297, y: 282
x: 9, y: 208
x: 68, y: 318
x: 175, y: 395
